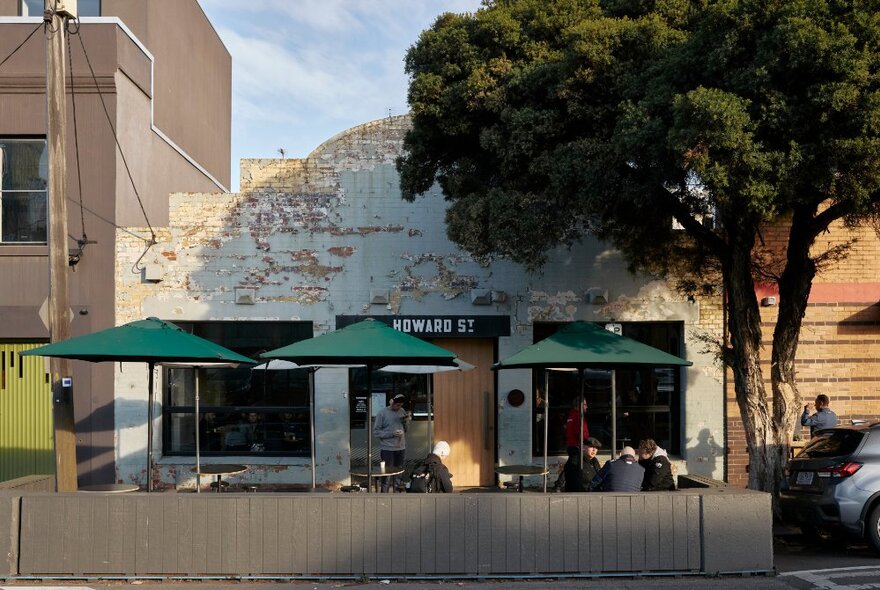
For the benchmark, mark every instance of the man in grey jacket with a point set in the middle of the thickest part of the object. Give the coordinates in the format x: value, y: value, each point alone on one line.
x: 823, y: 418
x: 390, y: 428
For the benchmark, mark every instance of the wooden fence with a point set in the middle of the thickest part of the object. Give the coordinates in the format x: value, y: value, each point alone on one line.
x: 689, y: 531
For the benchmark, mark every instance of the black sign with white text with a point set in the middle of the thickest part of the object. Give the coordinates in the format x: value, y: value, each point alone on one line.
x: 439, y: 326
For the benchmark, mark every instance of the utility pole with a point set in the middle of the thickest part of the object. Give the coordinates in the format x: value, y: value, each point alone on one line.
x: 56, y: 18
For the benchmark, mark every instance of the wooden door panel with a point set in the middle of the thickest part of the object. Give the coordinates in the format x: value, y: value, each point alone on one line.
x: 464, y: 413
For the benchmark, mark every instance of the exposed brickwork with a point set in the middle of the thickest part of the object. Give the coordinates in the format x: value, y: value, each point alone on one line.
x: 839, y: 347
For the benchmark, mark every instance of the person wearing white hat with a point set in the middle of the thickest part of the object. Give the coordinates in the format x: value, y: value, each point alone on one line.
x: 432, y: 475
x: 623, y: 474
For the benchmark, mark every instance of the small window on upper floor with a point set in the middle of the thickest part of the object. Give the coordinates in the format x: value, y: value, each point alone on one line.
x: 36, y: 7
x: 24, y: 172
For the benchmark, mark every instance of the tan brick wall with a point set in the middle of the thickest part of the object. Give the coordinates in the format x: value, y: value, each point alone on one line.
x: 839, y: 347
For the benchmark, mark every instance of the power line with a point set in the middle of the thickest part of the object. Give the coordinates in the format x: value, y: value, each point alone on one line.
x: 115, y: 137
x: 20, y: 45
x: 84, y: 239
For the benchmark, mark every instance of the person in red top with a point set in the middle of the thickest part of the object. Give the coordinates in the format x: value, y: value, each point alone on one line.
x: 572, y: 430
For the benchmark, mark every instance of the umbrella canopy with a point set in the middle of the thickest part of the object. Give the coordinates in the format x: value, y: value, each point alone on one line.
x: 581, y: 344
x: 370, y: 343
x: 151, y: 341
x: 146, y: 341
x: 459, y: 365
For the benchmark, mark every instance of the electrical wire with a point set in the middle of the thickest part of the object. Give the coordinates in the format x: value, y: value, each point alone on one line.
x: 82, y: 216
x: 111, y: 223
x: 20, y: 45
x: 152, y: 241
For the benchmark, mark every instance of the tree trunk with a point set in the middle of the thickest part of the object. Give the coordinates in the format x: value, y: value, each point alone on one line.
x: 794, y: 293
x: 765, y: 442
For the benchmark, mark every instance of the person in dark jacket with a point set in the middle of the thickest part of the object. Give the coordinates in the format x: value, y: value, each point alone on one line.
x: 439, y: 479
x: 623, y: 474
x: 577, y: 479
x: 658, y: 469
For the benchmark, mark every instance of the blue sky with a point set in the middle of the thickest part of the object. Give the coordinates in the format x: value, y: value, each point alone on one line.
x: 304, y: 70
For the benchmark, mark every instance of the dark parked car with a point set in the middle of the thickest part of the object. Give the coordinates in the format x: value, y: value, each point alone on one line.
x: 833, y: 485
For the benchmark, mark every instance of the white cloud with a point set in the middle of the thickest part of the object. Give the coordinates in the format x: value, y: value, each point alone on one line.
x: 304, y: 70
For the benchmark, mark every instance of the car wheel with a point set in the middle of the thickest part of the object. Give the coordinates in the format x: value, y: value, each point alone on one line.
x: 872, y: 527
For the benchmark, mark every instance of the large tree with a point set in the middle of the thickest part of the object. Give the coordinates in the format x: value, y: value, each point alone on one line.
x: 553, y: 119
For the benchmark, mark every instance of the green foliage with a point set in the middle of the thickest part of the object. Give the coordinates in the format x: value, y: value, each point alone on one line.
x: 543, y: 120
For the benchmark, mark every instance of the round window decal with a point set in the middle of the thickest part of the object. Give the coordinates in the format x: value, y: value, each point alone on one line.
x: 516, y: 398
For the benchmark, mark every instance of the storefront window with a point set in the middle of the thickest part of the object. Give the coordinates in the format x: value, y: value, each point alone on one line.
x: 242, y: 411
x: 385, y: 386
x: 647, y: 401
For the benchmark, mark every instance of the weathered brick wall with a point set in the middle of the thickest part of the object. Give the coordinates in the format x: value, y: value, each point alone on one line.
x: 839, y: 348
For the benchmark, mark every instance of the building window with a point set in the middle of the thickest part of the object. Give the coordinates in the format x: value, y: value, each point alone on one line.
x: 24, y: 170
x: 385, y: 386
x: 242, y: 411
x: 647, y: 404
x: 36, y: 7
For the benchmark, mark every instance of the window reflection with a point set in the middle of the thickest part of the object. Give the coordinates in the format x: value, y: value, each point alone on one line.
x: 647, y: 398
x: 242, y: 411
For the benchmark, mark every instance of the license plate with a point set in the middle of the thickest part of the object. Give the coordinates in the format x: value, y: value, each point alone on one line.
x: 804, y: 478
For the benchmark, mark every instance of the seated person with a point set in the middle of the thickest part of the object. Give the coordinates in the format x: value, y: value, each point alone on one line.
x: 432, y: 475
x: 577, y: 479
x: 658, y: 469
x: 623, y: 474
x: 245, y: 435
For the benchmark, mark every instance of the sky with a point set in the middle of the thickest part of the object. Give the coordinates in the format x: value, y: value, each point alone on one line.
x: 305, y: 70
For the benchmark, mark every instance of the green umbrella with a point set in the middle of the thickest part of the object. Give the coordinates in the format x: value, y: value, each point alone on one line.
x: 150, y: 341
x: 370, y: 343
x: 583, y: 344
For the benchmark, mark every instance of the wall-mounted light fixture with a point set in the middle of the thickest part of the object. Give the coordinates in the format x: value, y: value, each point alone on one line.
x: 768, y: 301
x: 597, y: 296
x: 378, y: 296
x: 499, y: 296
x: 481, y: 297
x: 245, y: 295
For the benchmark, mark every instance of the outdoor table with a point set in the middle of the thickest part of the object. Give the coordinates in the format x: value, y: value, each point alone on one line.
x: 110, y: 488
x: 521, y: 471
x: 378, y: 471
x: 220, y: 470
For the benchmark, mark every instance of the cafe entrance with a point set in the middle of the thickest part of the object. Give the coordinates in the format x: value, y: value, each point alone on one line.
x: 464, y: 412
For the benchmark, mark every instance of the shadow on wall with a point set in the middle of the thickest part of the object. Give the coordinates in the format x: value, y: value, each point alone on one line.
x: 703, y: 457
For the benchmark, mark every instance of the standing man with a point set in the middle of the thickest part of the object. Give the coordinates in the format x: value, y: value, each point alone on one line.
x: 823, y: 418
x: 577, y: 479
x: 624, y: 474
x: 390, y: 428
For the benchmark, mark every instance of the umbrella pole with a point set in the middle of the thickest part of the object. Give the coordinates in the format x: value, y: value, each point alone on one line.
x: 613, y: 414
x: 581, y: 412
x: 151, y: 365
x: 312, y: 424
x: 198, y: 452
x: 430, y: 413
x: 369, y: 427
x: 546, y: 421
